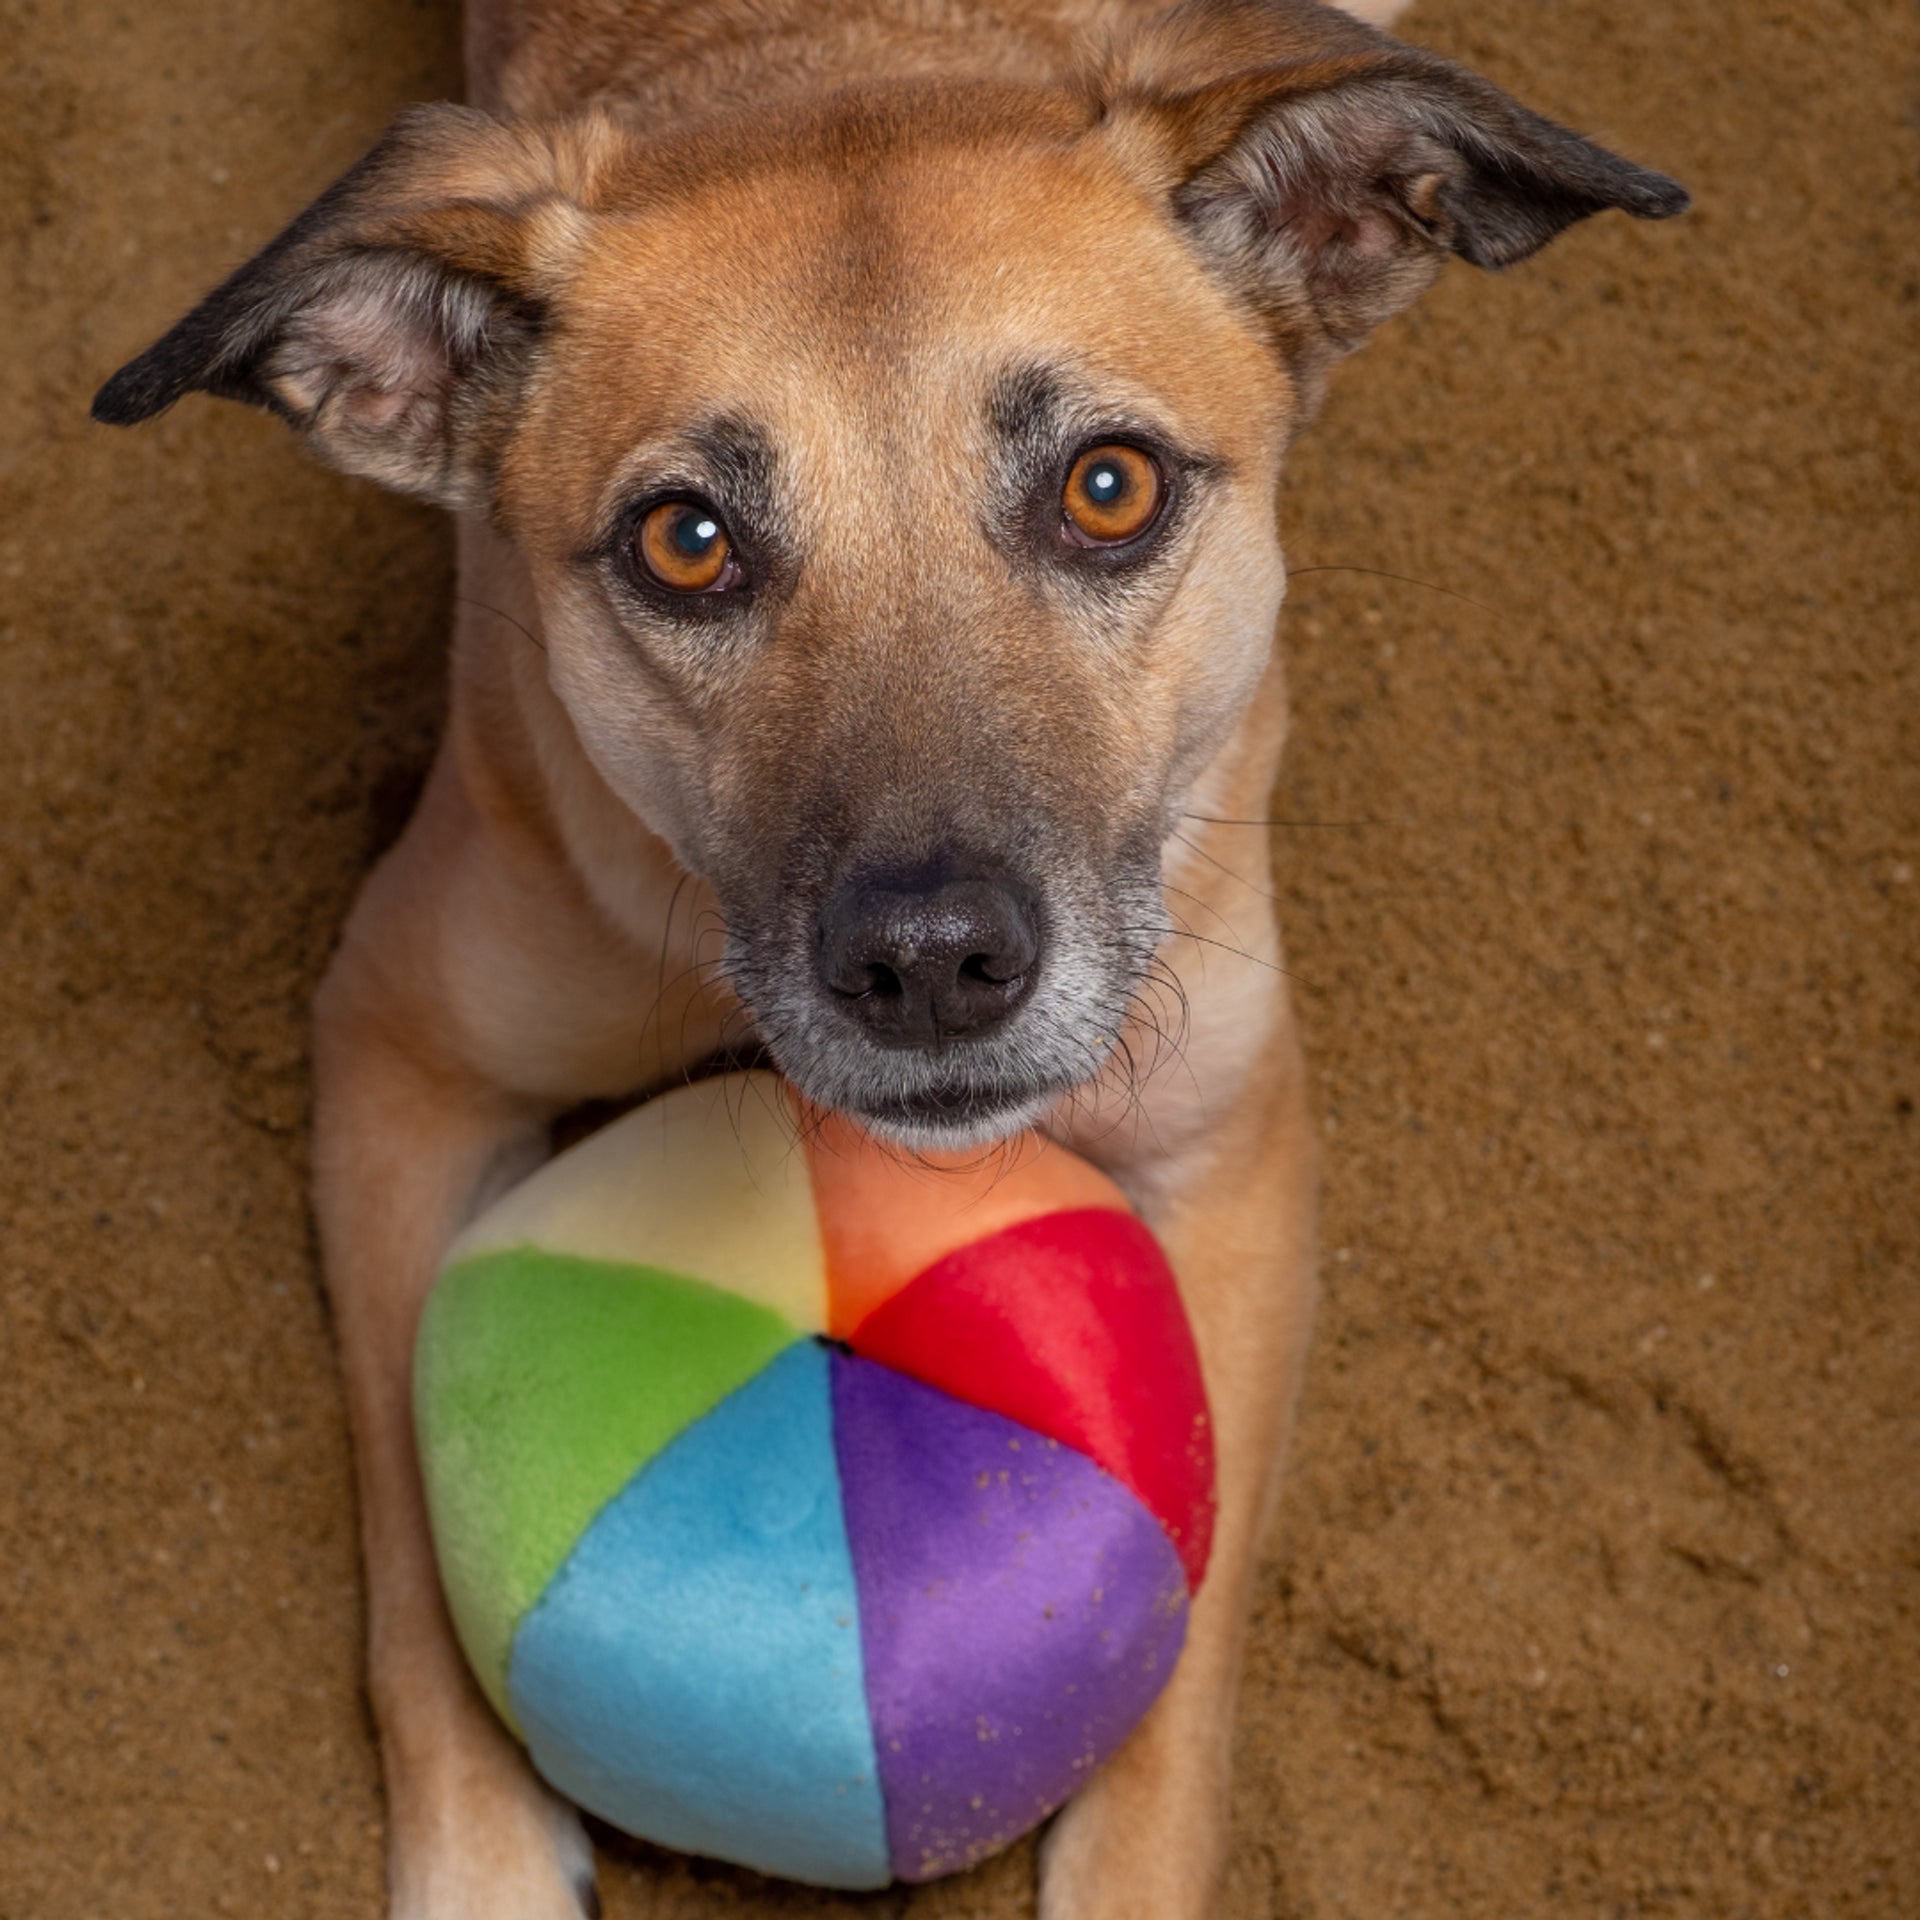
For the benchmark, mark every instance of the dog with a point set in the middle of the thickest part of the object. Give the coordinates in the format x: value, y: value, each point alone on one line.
x: 864, y: 420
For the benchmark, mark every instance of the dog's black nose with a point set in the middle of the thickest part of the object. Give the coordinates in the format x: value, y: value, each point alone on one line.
x: 916, y: 960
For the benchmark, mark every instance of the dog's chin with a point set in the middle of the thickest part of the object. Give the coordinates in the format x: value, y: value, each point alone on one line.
x: 928, y: 1116
x: 941, y: 1123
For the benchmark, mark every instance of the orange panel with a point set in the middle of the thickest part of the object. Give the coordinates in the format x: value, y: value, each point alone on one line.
x: 886, y: 1216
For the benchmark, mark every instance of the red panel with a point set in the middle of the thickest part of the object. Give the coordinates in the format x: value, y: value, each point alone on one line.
x: 1070, y: 1324
x: 885, y: 1219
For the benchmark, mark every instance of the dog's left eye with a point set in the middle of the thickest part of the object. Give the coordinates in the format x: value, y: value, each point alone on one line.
x: 1113, y: 494
x: 683, y: 545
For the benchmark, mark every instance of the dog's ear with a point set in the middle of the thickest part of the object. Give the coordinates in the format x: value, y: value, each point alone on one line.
x: 1328, y: 170
x: 393, y: 318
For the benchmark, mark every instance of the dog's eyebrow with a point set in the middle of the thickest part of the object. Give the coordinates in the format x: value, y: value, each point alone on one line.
x: 737, y: 455
x: 1037, y: 413
x: 1027, y: 408
x: 727, y: 458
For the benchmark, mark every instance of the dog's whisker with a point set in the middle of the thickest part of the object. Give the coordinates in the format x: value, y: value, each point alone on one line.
x: 1240, y: 879
x: 673, y: 906
x: 1200, y: 939
x: 500, y: 613
x: 1206, y: 906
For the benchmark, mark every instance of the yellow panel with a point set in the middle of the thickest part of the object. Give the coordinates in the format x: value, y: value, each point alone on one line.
x: 708, y: 1181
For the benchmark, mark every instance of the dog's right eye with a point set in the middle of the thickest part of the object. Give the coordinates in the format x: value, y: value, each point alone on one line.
x: 683, y: 545
x: 1113, y: 495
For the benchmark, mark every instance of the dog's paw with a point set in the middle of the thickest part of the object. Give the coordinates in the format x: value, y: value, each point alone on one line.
x: 511, y: 1851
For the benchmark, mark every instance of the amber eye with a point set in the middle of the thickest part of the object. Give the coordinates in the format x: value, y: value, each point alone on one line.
x: 683, y: 546
x: 1113, y: 495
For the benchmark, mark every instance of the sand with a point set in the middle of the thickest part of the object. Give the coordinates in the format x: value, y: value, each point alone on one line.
x: 1597, y: 1584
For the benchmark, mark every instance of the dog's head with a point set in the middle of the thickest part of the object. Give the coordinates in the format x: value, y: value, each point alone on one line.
x: 897, y: 475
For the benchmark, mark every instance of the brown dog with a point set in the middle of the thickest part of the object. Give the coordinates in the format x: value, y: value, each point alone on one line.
x: 866, y: 421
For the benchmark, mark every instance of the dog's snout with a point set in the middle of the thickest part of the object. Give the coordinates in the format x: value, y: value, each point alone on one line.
x: 917, y: 960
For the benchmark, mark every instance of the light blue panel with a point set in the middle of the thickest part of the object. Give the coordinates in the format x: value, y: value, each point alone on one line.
x: 693, y: 1672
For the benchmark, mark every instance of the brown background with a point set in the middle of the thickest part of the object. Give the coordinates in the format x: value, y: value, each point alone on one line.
x: 1597, y: 1587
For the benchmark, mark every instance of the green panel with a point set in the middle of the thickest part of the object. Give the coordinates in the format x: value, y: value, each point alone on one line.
x: 542, y: 1383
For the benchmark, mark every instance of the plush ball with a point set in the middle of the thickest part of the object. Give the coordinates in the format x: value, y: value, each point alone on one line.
x: 806, y: 1505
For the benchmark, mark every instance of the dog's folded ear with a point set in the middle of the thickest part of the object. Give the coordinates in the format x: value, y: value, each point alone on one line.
x: 1328, y: 171
x: 391, y: 318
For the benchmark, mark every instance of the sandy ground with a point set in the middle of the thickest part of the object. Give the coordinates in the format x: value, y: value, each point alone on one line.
x: 1598, y: 1582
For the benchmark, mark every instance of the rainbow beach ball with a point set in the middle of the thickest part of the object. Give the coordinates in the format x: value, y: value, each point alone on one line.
x: 806, y: 1506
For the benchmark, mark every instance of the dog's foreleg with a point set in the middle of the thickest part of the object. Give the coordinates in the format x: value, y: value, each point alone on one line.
x: 1146, y: 1838
x: 409, y: 1135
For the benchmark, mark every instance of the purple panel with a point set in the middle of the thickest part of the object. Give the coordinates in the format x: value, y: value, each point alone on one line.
x: 1019, y: 1611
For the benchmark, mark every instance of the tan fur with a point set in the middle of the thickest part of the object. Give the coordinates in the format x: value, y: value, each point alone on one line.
x: 504, y: 962
x: 858, y: 227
